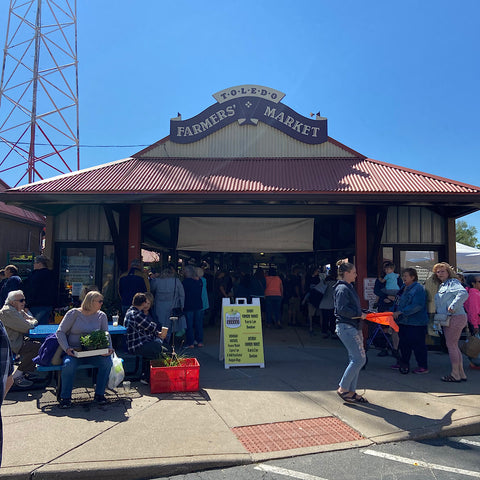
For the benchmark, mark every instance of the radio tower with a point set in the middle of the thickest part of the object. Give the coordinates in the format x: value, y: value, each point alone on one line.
x: 39, y: 91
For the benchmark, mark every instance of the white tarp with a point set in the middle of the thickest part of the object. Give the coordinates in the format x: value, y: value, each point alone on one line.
x: 468, y: 258
x: 245, y: 235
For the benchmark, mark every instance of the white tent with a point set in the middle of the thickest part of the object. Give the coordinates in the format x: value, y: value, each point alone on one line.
x: 468, y: 258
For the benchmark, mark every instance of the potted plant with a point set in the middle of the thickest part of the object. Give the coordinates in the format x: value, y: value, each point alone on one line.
x: 94, y: 343
x: 174, y: 372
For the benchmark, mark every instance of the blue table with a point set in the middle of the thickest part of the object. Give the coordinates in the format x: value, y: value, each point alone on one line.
x: 43, y: 331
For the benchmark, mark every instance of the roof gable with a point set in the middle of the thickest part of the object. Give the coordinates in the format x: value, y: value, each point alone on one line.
x: 247, y: 141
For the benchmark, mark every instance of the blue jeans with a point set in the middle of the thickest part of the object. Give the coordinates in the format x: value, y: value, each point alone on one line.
x: 41, y: 314
x: 353, y: 341
x: 273, y: 309
x: 70, y: 364
x: 194, y: 326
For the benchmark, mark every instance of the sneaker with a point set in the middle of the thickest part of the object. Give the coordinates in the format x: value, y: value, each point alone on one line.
x: 100, y: 399
x: 65, y: 403
x: 395, y: 367
x: 420, y: 370
x: 22, y: 382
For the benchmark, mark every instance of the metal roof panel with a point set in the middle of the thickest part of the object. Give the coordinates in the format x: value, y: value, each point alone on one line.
x: 250, y: 175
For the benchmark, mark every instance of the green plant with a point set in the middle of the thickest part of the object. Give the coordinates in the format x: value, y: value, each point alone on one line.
x: 172, y: 359
x: 95, y: 340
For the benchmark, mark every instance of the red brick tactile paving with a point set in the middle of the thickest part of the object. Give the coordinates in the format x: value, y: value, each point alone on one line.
x: 272, y: 437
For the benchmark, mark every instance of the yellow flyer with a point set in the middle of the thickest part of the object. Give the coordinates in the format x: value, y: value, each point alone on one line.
x: 242, y: 334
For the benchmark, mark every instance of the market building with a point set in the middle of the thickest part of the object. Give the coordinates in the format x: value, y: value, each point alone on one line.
x: 21, y: 235
x: 248, y: 181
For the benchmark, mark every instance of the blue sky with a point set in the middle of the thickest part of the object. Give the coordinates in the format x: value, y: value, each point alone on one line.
x: 398, y: 81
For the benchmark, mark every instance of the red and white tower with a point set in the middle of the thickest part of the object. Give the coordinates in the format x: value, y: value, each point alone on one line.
x: 39, y: 128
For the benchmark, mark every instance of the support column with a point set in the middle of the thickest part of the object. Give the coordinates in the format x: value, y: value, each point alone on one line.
x: 134, y: 233
x: 361, y: 250
x: 451, y: 242
x: 49, y: 230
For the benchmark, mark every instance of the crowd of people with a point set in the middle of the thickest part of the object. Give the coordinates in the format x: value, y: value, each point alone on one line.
x: 198, y: 292
x: 445, y: 299
x: 158, y: 309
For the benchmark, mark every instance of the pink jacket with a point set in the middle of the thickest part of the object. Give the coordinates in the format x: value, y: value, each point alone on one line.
x: 472, y: 306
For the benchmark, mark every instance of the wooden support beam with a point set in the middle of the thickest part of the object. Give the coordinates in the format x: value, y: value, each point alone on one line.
x: 134, y: 233
x: 361, y: 250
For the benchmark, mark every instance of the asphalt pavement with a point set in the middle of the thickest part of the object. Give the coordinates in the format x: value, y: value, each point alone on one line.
x: 140, y: 435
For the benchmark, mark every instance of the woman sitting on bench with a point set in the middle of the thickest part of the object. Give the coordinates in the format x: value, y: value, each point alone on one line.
x: 76, y: 323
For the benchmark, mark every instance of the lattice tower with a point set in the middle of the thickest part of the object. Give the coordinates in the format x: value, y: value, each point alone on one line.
x: 39, y: 129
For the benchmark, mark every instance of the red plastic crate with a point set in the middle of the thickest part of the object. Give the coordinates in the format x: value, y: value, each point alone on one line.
x: 184, y: 378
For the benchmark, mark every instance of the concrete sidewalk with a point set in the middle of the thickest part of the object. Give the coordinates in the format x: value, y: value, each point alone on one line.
x: 139, y: 435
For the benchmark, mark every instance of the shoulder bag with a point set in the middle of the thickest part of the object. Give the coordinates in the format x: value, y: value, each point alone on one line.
x: 442, y: 319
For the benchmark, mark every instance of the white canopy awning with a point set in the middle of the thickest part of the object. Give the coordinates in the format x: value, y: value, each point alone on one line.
x: 468, y: 258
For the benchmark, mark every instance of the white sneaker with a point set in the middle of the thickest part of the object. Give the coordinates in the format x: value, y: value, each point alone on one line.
x: 22, y: 382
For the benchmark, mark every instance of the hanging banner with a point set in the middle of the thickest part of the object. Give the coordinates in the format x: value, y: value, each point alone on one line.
x: 241, y: 339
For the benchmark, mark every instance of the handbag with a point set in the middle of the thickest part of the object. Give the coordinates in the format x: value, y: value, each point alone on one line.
x: 179, y: 325
x: 442, y: 319
x: 471, y: 346
x: 117, y: 373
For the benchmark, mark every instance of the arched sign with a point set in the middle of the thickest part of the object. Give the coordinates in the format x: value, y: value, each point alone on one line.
x: 247, y: 105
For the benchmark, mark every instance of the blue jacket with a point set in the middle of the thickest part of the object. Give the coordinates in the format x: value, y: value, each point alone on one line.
x: 412, y: 302
x: 451, y: 294
x: 347, y: 304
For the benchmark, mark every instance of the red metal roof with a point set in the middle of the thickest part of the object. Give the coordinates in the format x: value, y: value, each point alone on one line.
x: 18, y: 213
x: 248, y: 175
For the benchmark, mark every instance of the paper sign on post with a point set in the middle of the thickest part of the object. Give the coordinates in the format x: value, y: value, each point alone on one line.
x: 241, y: 342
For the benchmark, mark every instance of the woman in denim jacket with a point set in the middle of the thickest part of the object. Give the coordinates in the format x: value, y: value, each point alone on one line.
x: 450, y: 299
x: 410, y: 312
x: 348, y: 314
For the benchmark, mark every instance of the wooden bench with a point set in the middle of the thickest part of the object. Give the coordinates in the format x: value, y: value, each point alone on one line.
x: 51, y: 369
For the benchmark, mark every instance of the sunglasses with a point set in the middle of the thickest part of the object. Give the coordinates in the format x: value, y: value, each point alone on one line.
x: 99, y: 301
x: 20, y: 300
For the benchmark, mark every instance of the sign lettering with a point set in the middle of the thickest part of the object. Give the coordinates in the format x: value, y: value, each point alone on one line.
x: 248, y: 105
x: 242, y: 340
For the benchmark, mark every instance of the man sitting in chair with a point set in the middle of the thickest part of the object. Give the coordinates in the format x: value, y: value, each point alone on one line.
x: 17, y: 323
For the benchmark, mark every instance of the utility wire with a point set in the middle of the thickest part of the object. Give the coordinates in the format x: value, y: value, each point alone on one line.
x: 84, y: 146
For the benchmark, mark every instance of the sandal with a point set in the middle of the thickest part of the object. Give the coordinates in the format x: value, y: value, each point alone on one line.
x: 450, y: 379
x: 346, y: 397
x: 359, y: 399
